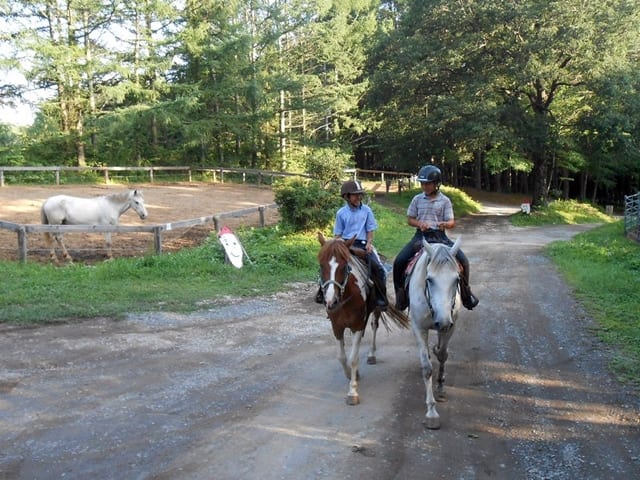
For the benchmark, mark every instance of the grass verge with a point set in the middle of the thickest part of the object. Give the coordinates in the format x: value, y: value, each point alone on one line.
x: 603, y: 269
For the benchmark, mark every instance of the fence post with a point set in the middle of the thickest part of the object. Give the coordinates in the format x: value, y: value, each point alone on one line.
x: 157, y: 239
x: 1, y: 177
x: 22, y: 244
x: 58, y: 176
x: 216, y: 223
x: 261, y: 210
x: 106, y: 176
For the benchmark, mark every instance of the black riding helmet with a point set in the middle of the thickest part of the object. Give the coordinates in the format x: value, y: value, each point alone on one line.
x: 430, y: 174
x: 351, y: 187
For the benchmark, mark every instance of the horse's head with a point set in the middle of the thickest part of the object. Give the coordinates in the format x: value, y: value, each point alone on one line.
x: 441, y: 284
x: 333, y: 258
x: 136, y: 201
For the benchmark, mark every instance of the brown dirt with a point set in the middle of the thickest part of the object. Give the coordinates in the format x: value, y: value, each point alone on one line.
x: 250, y: 388
x: 165, y: 204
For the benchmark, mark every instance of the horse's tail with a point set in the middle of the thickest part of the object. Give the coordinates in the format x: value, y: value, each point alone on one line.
x: 395, y: 316
x: 45, y: 221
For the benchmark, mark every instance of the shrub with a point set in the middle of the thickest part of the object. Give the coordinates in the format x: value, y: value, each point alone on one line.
x: 327, y: 164
x: 305, y: 204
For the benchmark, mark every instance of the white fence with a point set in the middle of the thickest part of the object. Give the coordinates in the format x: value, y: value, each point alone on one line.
x: 632, y: 216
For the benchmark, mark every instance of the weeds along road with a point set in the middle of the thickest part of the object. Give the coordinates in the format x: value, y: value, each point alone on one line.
x: 251, y: 389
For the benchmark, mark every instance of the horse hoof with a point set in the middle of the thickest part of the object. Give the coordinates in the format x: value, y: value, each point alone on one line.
x: 371, y: 360
x: 432, y: 423
x: 441, y: 397
x: 353, y: 400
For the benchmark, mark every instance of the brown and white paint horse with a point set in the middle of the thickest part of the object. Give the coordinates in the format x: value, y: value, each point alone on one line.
x: 349, y: 302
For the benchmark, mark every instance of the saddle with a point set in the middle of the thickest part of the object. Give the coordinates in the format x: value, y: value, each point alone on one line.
x: 411, y: 265
x: 361, y: 255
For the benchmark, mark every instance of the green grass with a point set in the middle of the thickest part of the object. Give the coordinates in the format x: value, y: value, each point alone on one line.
x: 603, y: 268
x: 562, y: 212
x: 184, y: 281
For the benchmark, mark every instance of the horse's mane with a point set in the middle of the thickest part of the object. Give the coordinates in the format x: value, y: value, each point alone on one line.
x: 119, y: 196
x: 334, y: 247
x: 441, y: 258
x: 337, y: 247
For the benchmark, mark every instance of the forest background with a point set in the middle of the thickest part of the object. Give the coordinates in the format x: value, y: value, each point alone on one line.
x: 538, y: 97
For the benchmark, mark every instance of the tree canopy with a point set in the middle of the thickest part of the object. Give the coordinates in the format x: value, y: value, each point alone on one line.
x: 537, y: 97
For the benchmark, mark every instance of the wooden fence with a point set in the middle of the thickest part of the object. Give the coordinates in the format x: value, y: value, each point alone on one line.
x: 217, y: 174
x: 404, y: 180
x: 157, y: 230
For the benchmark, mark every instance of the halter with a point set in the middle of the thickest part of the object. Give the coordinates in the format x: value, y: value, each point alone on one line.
x: 341, y: 286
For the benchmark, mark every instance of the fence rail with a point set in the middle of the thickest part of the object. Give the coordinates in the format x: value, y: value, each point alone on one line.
x: 632, y: 216
x: 217, y: 173
x: 404, y: 180
x: 23, y: 230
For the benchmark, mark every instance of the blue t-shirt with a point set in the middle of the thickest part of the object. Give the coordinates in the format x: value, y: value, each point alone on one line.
x: 354, y: 221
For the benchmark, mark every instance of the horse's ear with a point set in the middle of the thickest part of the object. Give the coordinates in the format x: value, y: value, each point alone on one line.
x: 456, y: 246
x: 427, y: 248
x: 350, y: 241
x: 321, y: 238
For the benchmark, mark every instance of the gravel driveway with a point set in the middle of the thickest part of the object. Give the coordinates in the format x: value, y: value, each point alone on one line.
x: 251, y: 389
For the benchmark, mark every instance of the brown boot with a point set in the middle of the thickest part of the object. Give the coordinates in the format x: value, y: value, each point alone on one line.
x: 402, y: 302
x: 320, y: 296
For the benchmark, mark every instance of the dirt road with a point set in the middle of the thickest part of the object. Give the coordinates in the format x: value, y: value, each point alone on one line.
x: 251, y: 389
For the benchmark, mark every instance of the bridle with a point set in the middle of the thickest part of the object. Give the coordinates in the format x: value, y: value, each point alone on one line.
x: 428, y: 295
x: 331, y: 281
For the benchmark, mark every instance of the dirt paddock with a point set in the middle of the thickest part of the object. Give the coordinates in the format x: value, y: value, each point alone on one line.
x: 165, y: 204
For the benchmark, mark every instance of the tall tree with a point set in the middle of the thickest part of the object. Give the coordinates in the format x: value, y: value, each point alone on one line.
x: 508, y: 62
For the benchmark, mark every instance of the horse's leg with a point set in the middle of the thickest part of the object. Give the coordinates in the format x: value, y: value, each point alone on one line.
x: 65, y: 253
x: 432, y: 419
x: 442, y: 353
x: 342, y: 358
x: 354, y: 358
x: 48, y: 240
x: 371, y: 356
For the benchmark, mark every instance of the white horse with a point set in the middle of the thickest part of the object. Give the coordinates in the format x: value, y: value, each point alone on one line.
x: 103, y: 210
x: 434, y: 303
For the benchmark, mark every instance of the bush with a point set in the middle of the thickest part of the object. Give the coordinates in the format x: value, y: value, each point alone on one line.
x: 327, y: 164
x: 305, y: 204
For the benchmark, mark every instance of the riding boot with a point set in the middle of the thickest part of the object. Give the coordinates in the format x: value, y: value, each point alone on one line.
x: 379, y: 280
x: 402, y: 301
x: 469, y: 300
x: 320, y: 296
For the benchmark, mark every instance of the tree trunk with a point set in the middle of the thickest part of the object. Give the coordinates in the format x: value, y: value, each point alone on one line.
x: 477, y: 170
x: 540, y: 188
